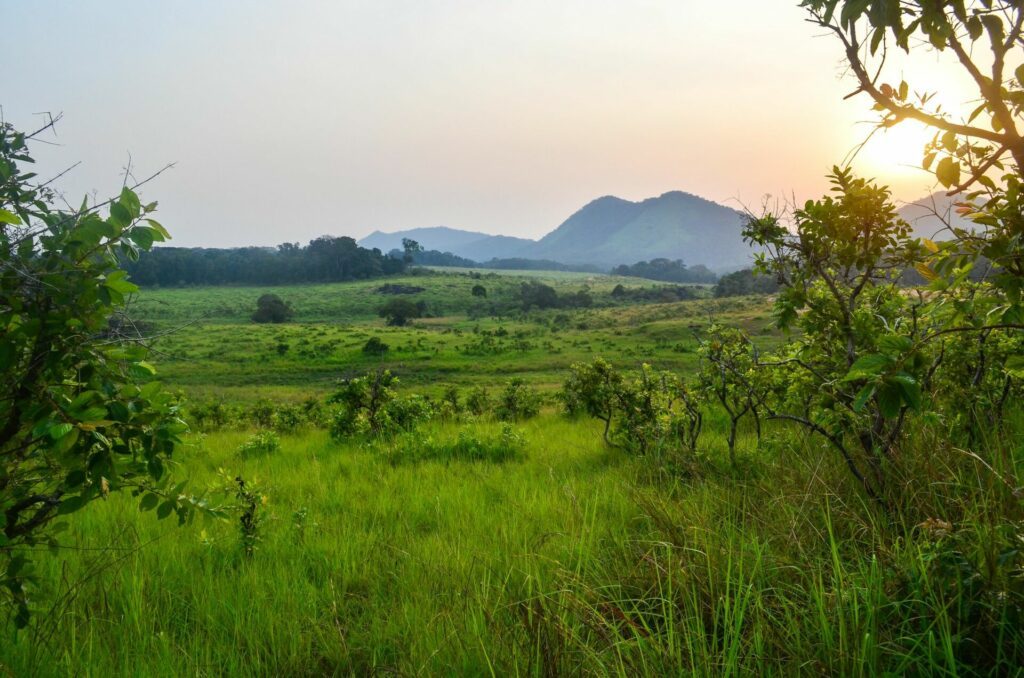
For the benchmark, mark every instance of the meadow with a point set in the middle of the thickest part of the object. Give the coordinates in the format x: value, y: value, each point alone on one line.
x: 475, y: 547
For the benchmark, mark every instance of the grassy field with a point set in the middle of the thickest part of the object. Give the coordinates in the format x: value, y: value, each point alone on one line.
x: 213, y: 350
x: 473, y: 548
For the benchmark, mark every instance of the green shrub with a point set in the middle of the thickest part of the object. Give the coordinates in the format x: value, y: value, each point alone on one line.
x: 518, y: 401
x: 375, y: 347
x: 478, y: 402
x: 263, y: 442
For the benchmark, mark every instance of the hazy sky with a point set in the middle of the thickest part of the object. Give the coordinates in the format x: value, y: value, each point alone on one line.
x: 289, y: 120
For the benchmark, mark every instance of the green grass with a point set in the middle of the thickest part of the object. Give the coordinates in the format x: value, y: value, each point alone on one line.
x: 466, y: 548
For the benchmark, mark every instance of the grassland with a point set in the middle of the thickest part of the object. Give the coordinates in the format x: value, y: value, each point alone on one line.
x: 565, y: 558
x: 213, y: 350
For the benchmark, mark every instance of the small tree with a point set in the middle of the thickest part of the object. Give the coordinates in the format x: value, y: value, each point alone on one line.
x: 374, y: 346
x: 398, y: 312
x: 81, y: 416
x: 270, y: 308
x: 727, y: 374
x: 518, y: 401
x: 479, y: 291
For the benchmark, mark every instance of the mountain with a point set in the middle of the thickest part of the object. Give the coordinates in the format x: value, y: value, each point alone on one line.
x: 676, y: 225
x: 928, y: 216
x: 468, y: 244
x: 606, y: 232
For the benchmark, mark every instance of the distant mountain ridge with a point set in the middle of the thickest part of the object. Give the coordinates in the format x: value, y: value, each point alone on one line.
x: 606, y: 232
x: 929, y: 216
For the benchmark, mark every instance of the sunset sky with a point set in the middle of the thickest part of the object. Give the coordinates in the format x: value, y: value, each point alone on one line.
x: 288, y: 120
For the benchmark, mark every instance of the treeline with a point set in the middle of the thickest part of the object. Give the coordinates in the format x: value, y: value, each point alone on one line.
x: 667, y: 270
x: 325, y: 259
x: 436, y: 258
x: 746, y: 281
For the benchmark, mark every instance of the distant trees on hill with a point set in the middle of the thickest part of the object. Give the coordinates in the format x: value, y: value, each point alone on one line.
x: 536, y: 294
x: 667, y: 270
x: 326, y: 259
x: 745, y: 282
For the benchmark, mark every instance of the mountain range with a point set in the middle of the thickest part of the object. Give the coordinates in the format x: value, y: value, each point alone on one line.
x: 929, y: 216
x: 606, y: 232
x: 610, y: 231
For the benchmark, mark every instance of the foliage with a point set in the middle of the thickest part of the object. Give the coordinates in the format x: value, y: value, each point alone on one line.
x: 517, y: 402
x: 978, y: 149
x: 371, y: 405
x: 81, y: 417
x: 746, y: 281
x: 260, y: 443
x: 375, y: 346
x: 479, y: 291
x: 651, y: 412
x: 478, y: 402
x: 727, y: 374
x: 270, y: 308
x: 398, y: 312
x: 325, y: 259
x: 667, y: 270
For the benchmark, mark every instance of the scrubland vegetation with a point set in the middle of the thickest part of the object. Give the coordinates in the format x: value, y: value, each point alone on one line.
x: 458, y: 473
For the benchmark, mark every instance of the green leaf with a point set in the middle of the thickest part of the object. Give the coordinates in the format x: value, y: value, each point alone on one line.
x: 948, y: 172
x: 119, y: 216
x: 130, y: 202
x: 910, y: 389
x: 889, y: 401
x: 868, y: 366
x: 9, y: 217
x: 164, y: 510
x: 143, y: 236
x: 71, y: 504
x: 58, y: 431
x: 149, y: 502
x: 862, y: 398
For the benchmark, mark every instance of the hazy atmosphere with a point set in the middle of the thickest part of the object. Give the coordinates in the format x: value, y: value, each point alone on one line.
x: 289, y: 120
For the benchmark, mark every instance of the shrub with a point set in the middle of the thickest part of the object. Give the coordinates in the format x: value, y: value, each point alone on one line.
x: 374, y: 346
x: 518, y: 401
x: 263, y: 442
x: 398, y: 312
x: 81, y: 416
x: 478, y: 402
x: 270, y: 308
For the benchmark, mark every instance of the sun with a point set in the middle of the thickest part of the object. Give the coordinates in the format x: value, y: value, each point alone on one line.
x: 896, y: 152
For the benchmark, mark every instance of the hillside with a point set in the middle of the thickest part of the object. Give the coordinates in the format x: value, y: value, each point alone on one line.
x: 470, y: 244
x: 606, y: 232
x: 929, y: 215
x: 675, y: 225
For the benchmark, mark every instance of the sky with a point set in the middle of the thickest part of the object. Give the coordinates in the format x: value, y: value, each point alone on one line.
x: 291, y: 120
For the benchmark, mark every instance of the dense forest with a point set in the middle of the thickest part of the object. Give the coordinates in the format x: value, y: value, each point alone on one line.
x: 325, y: 259
x: 667, y: 270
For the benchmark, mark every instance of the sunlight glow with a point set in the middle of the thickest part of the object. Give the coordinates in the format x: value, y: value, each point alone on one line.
x: 896, y: 152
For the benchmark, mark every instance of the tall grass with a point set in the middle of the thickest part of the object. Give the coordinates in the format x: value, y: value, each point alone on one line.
x: 568, y: 559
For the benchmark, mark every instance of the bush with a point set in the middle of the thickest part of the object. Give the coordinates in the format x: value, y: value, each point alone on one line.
x: 264, y: 442
x: 270, y: 308
x: 478, y: 402
x: 518, y: 401
x: 375, y: 347
x: 398, y: 312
